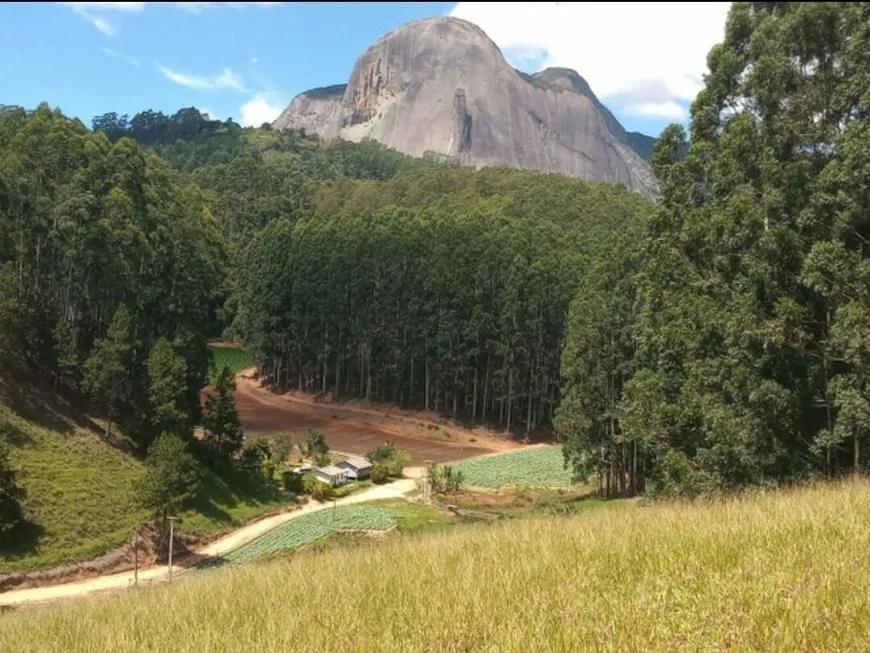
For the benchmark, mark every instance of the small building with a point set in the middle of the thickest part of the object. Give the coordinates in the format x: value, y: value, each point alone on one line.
x: 329, y: 474
x: 356, y: 468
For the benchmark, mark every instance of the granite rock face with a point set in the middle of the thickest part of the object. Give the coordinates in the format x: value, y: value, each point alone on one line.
x: 440, y: 88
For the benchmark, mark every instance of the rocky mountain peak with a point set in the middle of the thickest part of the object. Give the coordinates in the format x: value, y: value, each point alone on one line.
x: 440, y: 88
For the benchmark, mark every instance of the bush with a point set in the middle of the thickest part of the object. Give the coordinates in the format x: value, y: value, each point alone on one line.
x: 322, y: 491
x: 269, y: 470
x: 392, y: 457
x: 445, y: 480
x: 381, y: 473
x: 341, y: 492
x: 308, y: 484
x: 293, y: 481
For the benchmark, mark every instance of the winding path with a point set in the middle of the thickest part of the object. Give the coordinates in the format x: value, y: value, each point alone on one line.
x: 221, y: 546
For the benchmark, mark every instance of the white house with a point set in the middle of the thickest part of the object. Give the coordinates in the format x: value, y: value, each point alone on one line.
x: 330, y: 474
x: 356, y: 468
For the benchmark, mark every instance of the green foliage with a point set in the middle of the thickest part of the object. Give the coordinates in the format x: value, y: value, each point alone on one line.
x: 106, y: 251
x: 65, y: 350
x: 315, y: 443
x: 292, y: 481
x: 223, y: 430
x: 105, y: 373
x: 540, y: 467
x: 739, y: 354
x: 381, y: 472
x: 391, y: 458
x: 171, y: 478
x: 282, y: 445
x: 444, y: 291
x: 444, y: 479
x: 11, y: 492
x: 322, y: 491
x: 166, y: 375
x: 309, y: 528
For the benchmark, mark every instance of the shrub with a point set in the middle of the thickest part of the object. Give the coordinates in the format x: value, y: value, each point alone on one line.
x: 293, y: 481
x: 323, y: 459
x: 322, y: 491
x: 315, y: 442
x: 269, y: 470
x: 392, y: 457
x: 445, y: 480
x: 381, y: 473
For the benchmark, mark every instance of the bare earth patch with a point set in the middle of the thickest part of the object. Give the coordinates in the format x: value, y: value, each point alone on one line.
x: 355, y: 429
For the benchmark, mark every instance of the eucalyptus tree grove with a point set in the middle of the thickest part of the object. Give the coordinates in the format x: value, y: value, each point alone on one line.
x: 750, y: 340
x: 96, y: 235
x: 446, y: 291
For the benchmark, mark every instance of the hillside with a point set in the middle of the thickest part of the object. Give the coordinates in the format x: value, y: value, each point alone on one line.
x: 439, y: 88
x: 81, y: 486
x: 783, y: 571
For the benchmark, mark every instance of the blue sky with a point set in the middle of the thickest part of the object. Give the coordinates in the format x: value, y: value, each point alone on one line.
x: 246, y: 61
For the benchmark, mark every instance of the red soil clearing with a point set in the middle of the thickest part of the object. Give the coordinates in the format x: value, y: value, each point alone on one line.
x: 355, y: 430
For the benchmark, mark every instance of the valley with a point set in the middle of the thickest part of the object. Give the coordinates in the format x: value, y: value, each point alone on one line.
x: 446, y: 358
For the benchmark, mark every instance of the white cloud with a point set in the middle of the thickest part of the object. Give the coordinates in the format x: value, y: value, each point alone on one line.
x: 130, y: 7
x: 669, y: 110
x: 194, y: 7
x: 89, y: 11
x: 263, y: 107
x: 227, y: 80
x: 211, y: 114
x: 199, y: 7
x: 646, y: 57
x: 133, y: 61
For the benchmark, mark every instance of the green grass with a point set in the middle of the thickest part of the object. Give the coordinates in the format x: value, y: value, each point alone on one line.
x: 80, y: 501
x: 236, y: 359
x: 542, y: 466
x: 775, y: 571
x: 81, y: 492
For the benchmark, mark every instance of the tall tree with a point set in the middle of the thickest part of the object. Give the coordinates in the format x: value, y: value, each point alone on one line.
x: 171, y: 481
x: 106, y: 375
x: 166, y: 375
x: 220, y: 419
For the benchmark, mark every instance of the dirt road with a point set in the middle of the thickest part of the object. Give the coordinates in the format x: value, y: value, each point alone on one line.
x: 219, y: 547
x: 355, y: 429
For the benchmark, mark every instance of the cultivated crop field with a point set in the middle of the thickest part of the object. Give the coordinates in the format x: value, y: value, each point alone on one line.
x: 312, y: 527
x: 541, y: 466
x: 236, y: 358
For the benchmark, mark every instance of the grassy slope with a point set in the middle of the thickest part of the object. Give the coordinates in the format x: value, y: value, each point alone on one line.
x: 783, y: 572
x: 81, y: 496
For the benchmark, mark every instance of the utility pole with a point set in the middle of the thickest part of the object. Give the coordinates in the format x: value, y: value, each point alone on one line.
x: 171, y: 537
x: 426, y: 490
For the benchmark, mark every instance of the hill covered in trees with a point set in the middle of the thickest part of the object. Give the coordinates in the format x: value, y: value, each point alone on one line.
x: 715, y: 339
x: 741, y: 352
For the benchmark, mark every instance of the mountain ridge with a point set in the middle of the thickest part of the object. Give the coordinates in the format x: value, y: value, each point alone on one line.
x: 441, y: 88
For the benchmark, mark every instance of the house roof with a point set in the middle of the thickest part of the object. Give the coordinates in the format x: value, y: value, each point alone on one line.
x: 358, y: 463
x: 331, y: 470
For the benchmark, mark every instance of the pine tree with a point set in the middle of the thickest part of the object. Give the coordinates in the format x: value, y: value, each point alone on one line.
x: 220, y: 420
x: 170, y: 481
x: 166, y: 375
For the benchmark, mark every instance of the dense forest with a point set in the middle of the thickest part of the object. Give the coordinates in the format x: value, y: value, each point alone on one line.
x: 716, y: 338
x: 741, y: 352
